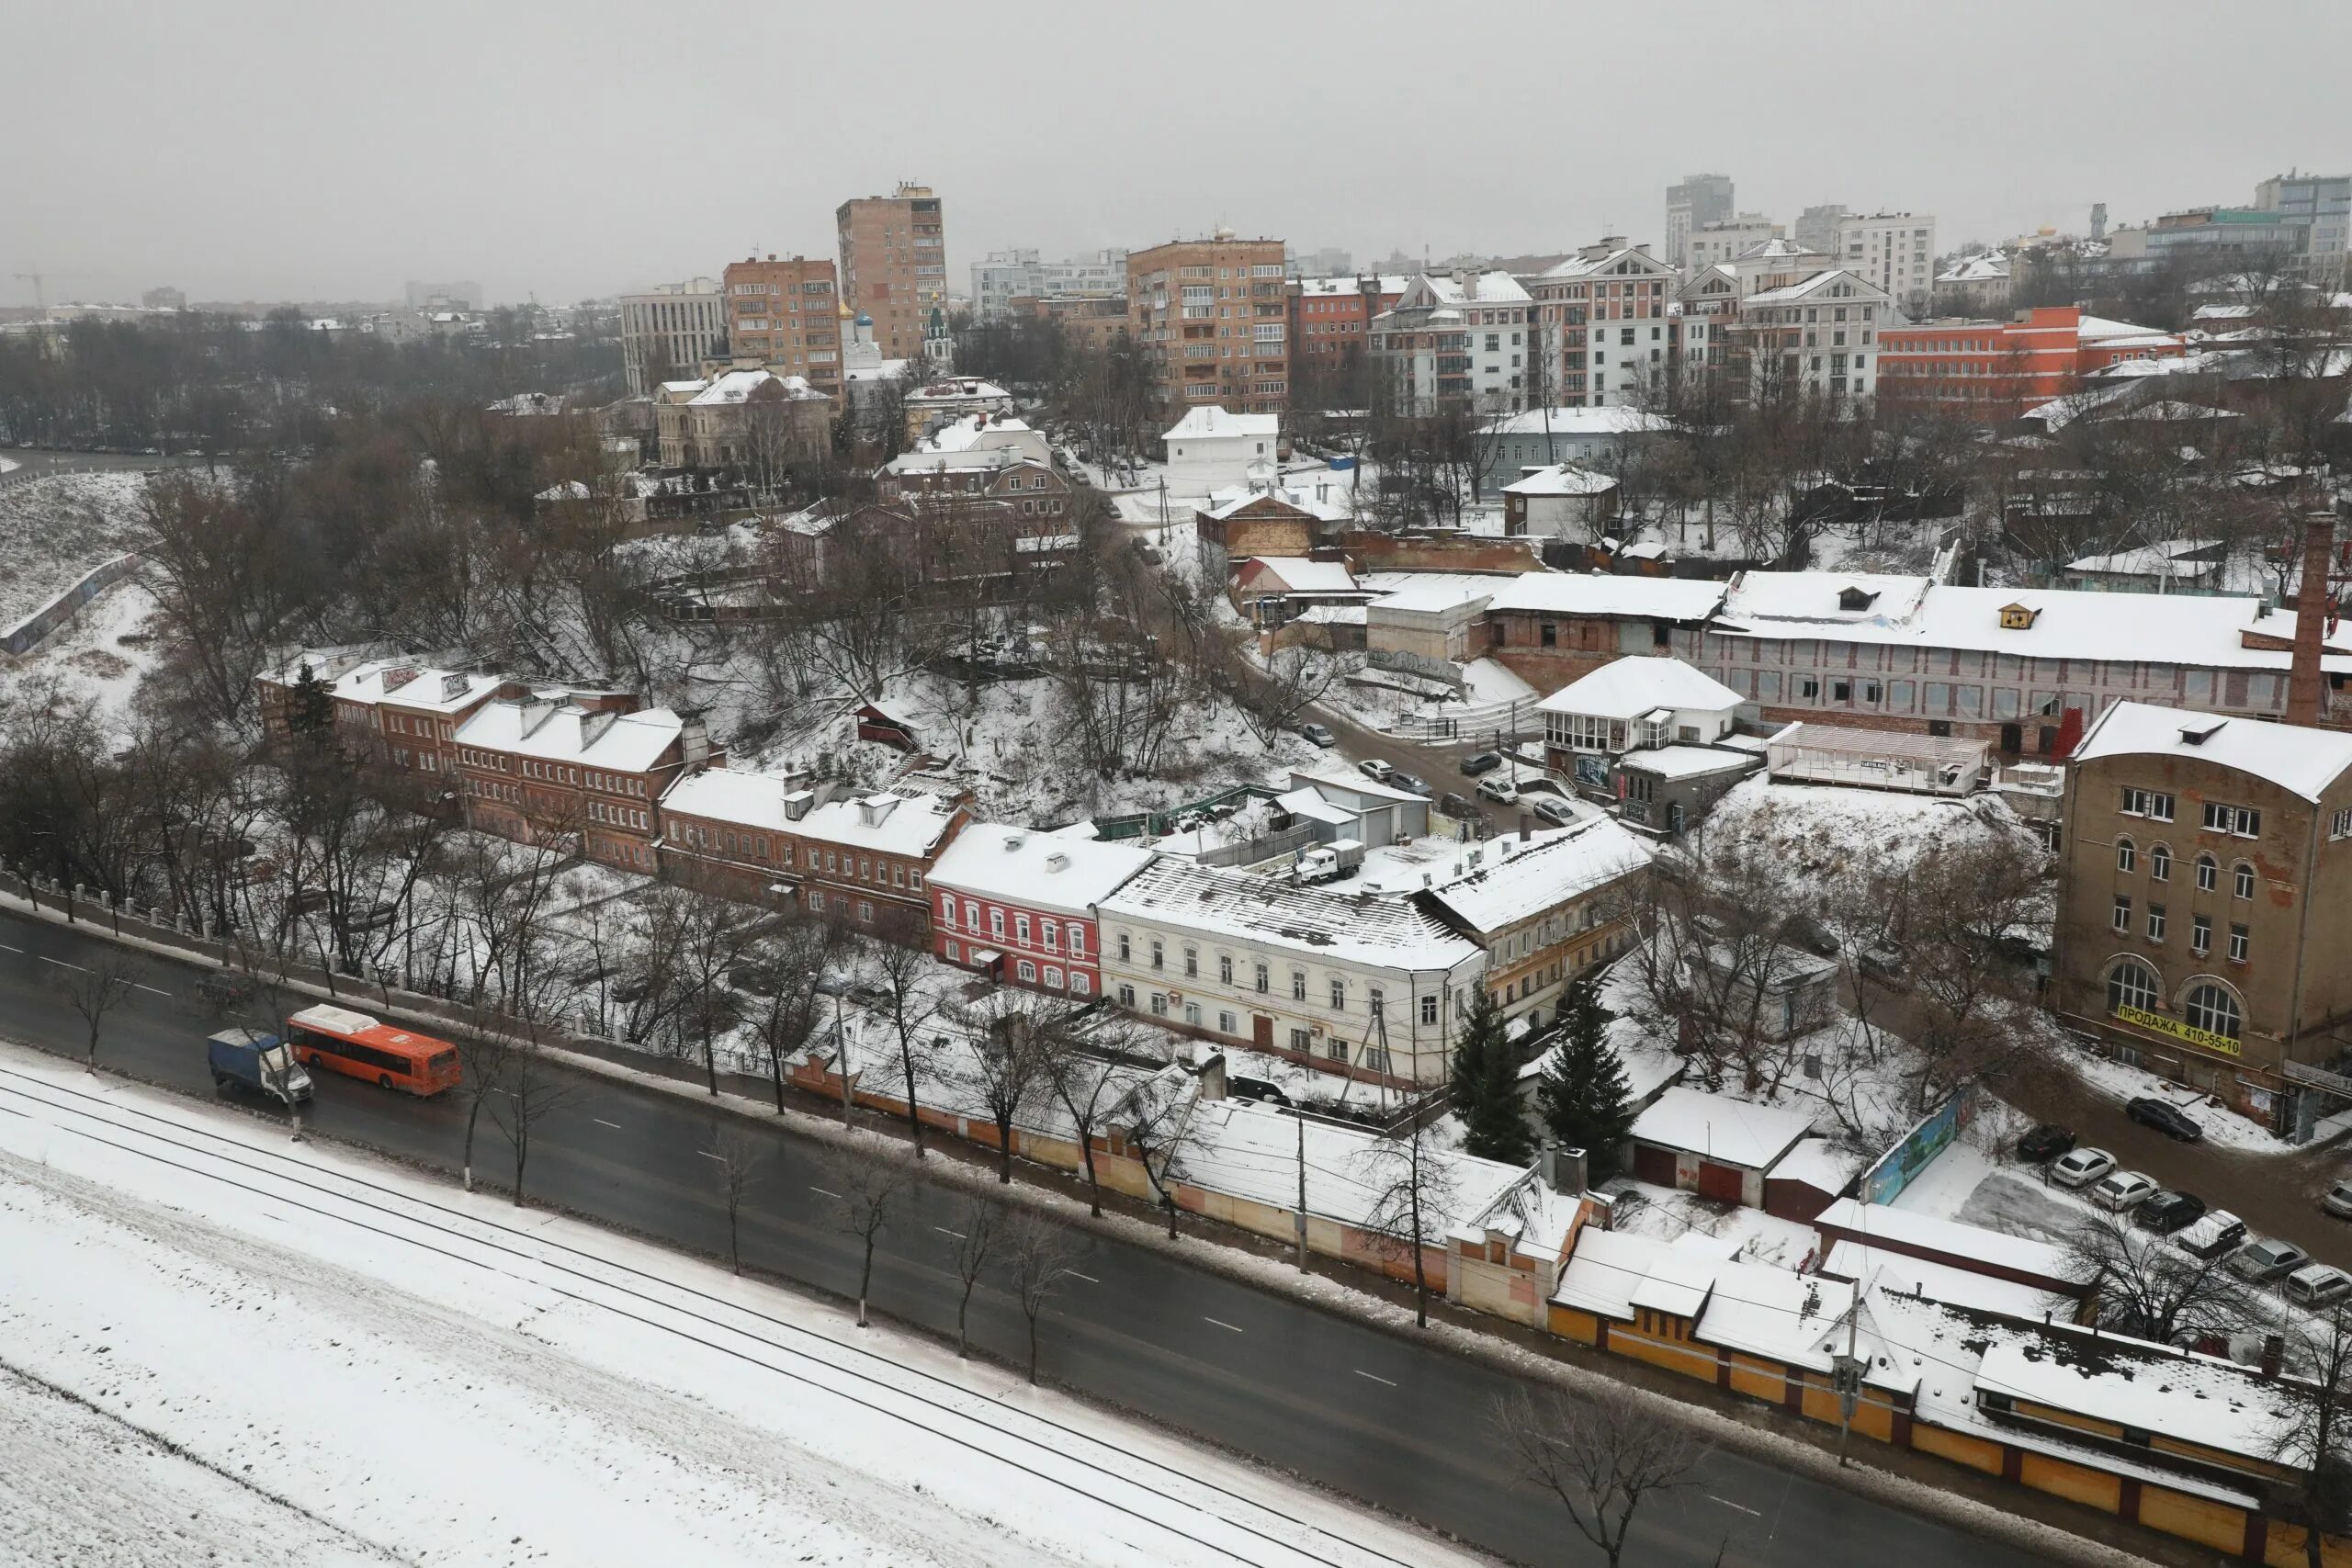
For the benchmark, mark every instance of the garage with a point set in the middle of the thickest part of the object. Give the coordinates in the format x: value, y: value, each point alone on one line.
x: 1725, y: 1183
x: 1713, y: 1144
x: 1654, y: 1165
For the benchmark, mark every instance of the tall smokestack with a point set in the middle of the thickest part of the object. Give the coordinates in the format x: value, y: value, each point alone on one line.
x: 2306, y: 688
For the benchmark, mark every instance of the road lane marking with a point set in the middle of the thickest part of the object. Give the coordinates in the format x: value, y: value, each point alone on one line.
x: 945, y: 1231
x: 1373, y: 1376
x: 45, y: 958
x: 3, y: 946
x: 149, y: 990
x: 602, y: 1122
x: 1729, y: 1504
x: 1227, y: 1327
x: 835, y: 1196
x: 705, y: 1152
x: 1087, y: 1278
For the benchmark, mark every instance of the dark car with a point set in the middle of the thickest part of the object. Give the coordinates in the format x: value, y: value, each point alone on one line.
x: 2165, y: 1118
x: 1482, y: 762
x: 1255, y: 1089
x: 222, y: 988
x: 1454, y: 806
x: 1399, y: 779
x: 2168, y: 1211
x: 2046, y: 1142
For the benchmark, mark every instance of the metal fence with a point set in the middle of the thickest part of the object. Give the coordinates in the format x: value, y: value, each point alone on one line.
x: 28, y: 633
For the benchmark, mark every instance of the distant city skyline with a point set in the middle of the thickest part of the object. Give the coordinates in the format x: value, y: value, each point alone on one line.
x: 260, y: 161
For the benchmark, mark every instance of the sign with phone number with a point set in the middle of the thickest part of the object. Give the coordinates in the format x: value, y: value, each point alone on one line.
x: 2157, y: 1023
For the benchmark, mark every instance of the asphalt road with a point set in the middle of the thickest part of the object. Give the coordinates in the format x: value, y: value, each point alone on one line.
x: 1364, y: 1412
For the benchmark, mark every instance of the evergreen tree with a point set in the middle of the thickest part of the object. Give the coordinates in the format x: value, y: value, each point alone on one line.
x: 1583, y: 1095
x: 310, y: 706
x: 1485, y: 1086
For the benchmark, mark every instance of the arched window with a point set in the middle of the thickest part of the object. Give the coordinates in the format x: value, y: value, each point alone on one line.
x: 2125, y: 857
x: 2242, y: 880
x: 2211, y: 1008
x: 2159, y: 863
x: 2209, y: 875
x: 2132, y: 984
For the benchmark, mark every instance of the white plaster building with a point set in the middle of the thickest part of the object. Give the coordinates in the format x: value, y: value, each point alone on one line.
x: 1210, y: 450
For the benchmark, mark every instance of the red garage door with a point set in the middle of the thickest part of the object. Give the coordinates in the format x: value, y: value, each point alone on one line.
x: 1722, y: 1182
x: 1654, y: 1165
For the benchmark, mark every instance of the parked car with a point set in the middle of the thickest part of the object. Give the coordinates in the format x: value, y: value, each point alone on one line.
x: 1455, y: 805
x: 2338, y: 1200
x: 1557, y: 812
x: 249, y: 1059
x: 2267, y: 1257
x: 2317, y: 1285
x: 2046, y: 1142
x: 2120, y: 1190
x: 223, y: 987
x: 1373, y: 768
x: 1410, y: 784
x: 1255, y: 1089
x: 2080, y: 1167
x: 2168, y: 1211
x: 2165, y: 1118
x: 1318, y: 735
x: 2218, y: 1235
x: 1482, y: 762
x: 1502, y: 792
x: 1884, y: 965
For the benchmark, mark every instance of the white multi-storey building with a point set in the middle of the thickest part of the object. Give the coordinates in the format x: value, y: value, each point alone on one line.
x: 1467, y: 341
x: 1894, y: 250
x: 667, y: 333
x: 1002, y: 278
x: 1603, y: 320
x: 1712, y: 243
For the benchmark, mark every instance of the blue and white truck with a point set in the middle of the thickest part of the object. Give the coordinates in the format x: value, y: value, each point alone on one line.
x: 259, y: 1061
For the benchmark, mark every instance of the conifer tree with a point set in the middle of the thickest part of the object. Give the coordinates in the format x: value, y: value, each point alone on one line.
x: 1584, y: 1095
x: 1485, y: 1086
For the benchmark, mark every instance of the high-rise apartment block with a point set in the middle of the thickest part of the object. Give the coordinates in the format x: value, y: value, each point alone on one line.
x: 1215, y: 315
x: 2323, y: 204
x: 787, y: 315
x: 1699, y: 201
x: 1894, y: 250
x: 667, y: 332
x: 894, y: 265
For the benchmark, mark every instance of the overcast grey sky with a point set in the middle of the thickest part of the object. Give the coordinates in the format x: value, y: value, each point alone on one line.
x: 266, y: 150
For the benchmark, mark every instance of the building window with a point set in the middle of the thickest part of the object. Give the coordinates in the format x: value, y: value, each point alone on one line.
x: 2160, y: 864
x: 996, y: 924
x: 2200, y: 934
x: 2242, y: 880
x: 1021, y: 929
x: 2243, y: 820
x: 2155, y: 922
x: 2213, y: 1010
x: 2131, y: 984
x: 1225, y: 968
x: 971, y: 914
x: 2241, y: 944
x: 1227, y: 1024
x: 955, y: 953
x: 2122, y: 919
x: 1337, y: 1049
x: 1123, y: 954
x: 1193, y: 1014
x: 947, y: 912
x: 1027, y: 971
x: 1127, y: 997
x: 2340, y: 825
x: 1079, y: 984
x: 1338, y: 995
x: 1160, y: 1004
x: 1077, y: 942
x: 864, y: 912
x: 1191, y: 963
x: 1261, y: 979
x: 1158, y: 954
x: 1053, y: 977
x: 1300, y: 1042
x: 1429, y: 1010
x: 1052, y: 934
x: 2209, y: 875
x: 1298, y: 985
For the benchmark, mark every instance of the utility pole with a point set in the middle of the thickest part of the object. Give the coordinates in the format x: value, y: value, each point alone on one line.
x: 1846, y: 1376
x: 1301, y: 1121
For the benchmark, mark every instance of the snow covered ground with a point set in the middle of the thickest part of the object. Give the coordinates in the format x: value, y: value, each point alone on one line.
x: 53, y: 530
x: 89, y: 657
x: 276, y: 1354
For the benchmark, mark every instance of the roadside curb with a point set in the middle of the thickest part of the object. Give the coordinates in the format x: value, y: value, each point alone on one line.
x: 2048, y: 1542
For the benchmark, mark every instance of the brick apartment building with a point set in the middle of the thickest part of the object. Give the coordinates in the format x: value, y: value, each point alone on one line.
x: 894, y: 265
x: 1019, y: 905
x: 1215, y: 316
x: 1329, y: 316
x: 586, y: 763
x: 400, y: 712
x: 865, y: 862
x: 786, y: 315
x: 1996, y: 370
x: 2204, y: 926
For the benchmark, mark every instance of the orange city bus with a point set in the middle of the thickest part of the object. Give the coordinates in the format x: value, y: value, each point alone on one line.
x: 352, y: 1042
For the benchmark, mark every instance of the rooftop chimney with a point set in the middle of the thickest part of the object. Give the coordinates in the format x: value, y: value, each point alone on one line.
x: 2306, y: 689
x: 695, y: 740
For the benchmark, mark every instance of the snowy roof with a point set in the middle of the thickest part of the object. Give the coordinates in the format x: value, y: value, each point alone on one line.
x: 1211, y: 419
x: 2171, y: 410
x: 981, y: 430
x: 737, y: 385
x: 1023, y: 866
x: 625, y: 743
x: 1688, y: 761
x: 2102, y: 330
x: 1439, y: 590
x: 2204, y: 1400
x: 1362, y: 928
x: 1486, y: 289
x: 1587, y: 265
x: 1630, y: 687
x: 1776, y: 1313
x: 724, y: 795
x: 1903, y: 1228
x: 1354, y: 788
x: 1310, y: 803
x: 1314, y: 288
x: 1301, y: 575
x: 1820, y: 1165
x: 2300, y: 761
x: 1806, y: 288
x: 1609, y: 1268
x: 1816, y: 595
x: 404, y: 681
x: 1560, y: 479
x: 887, y: 823
x: 1251, y: 1151
x: 1596, y: 593
x: 1520, y: 879
x: 1614, y: 420
x: 1932, y: 1280
x: 2165, y: 558
x: 1728, y: 1131
x: 1977, y: 269
x: 957, y: 390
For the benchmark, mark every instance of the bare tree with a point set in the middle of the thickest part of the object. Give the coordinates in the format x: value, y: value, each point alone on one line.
x: 1155, y: 1117
x: 1273, y: 700
x: 1013, y: 1037
x: 1600, y: 1454
x: 2312, y: 1440
x: 976, y: 1240
x: 1037, y: 1260
x: 94, y: 990
x: 740, y: 1160
x: 2152, y: 1290
x: 790, y: 961
x: 910, y: 1006
x: 1412, y: 1186
x: 869, y: 1189
x: 529, y: 1090
x: 713, y: 937
x: 1088, y: 1086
